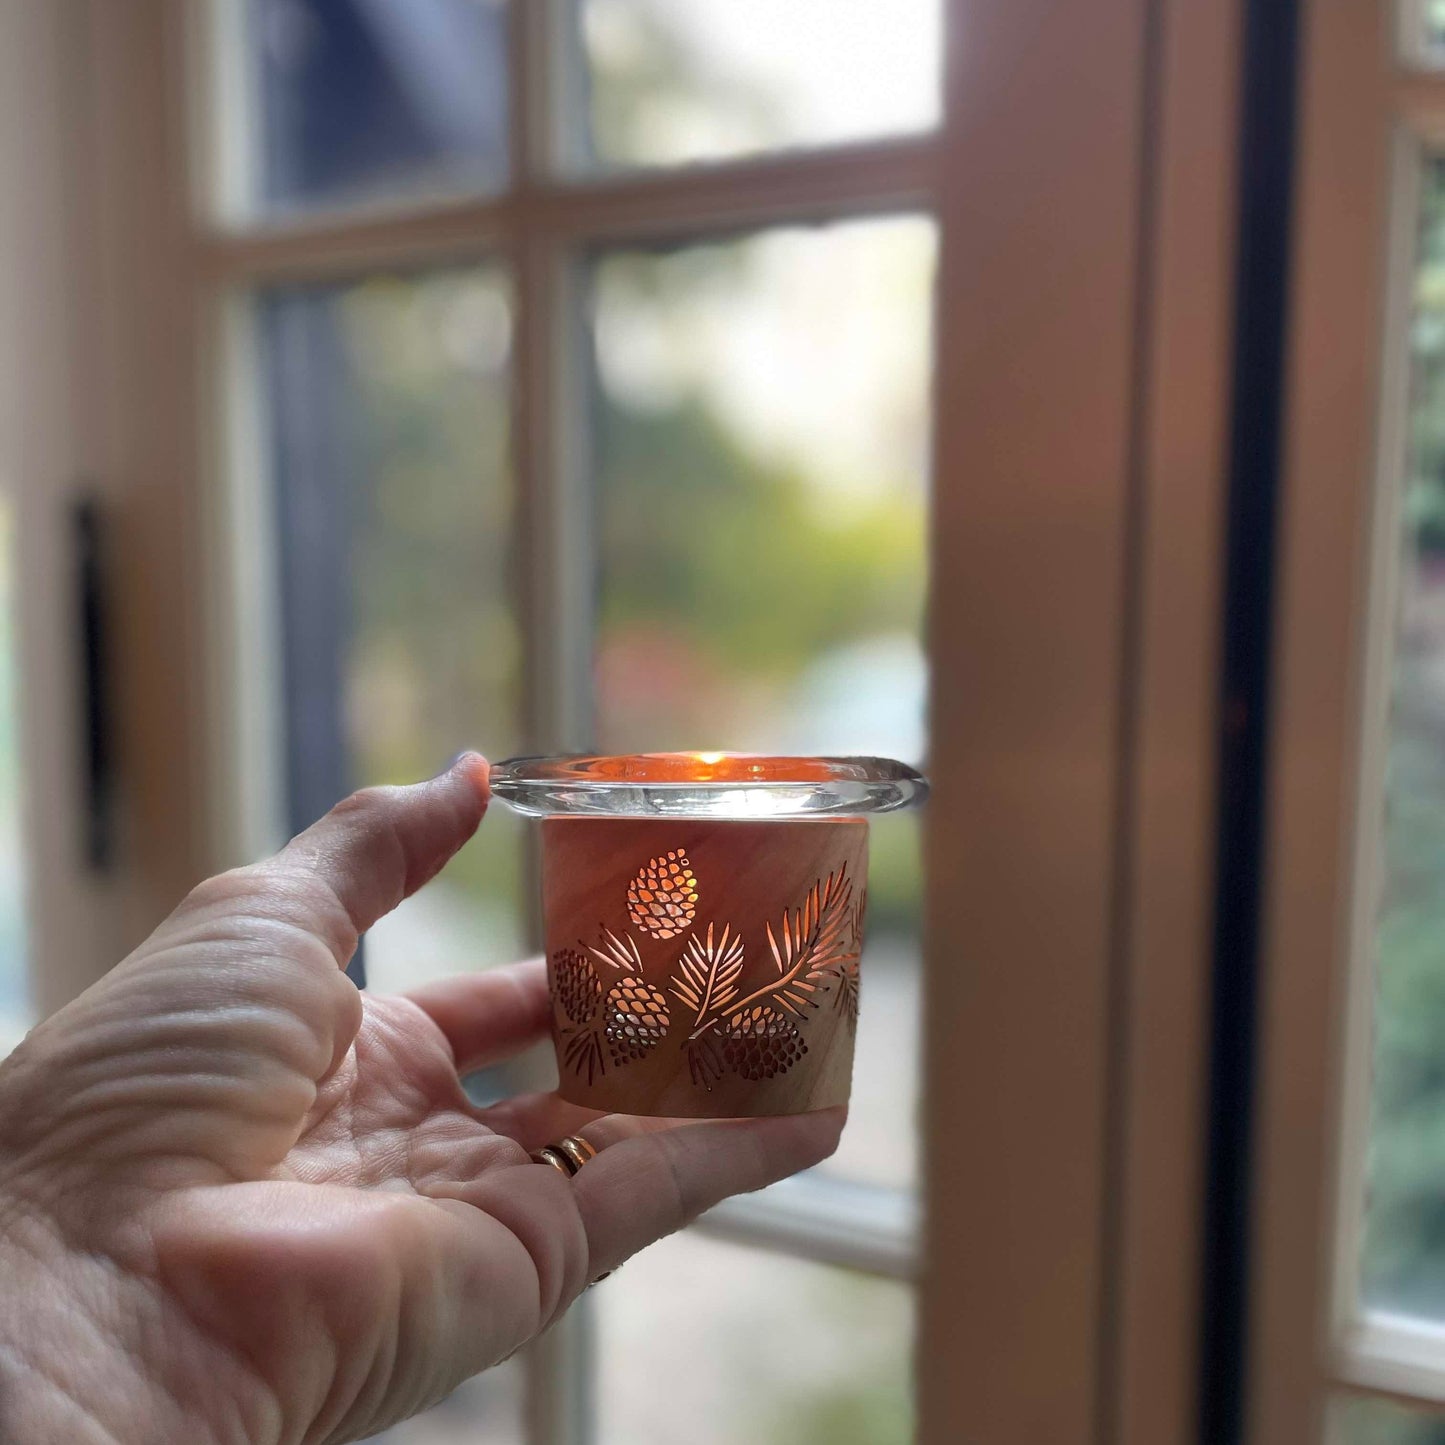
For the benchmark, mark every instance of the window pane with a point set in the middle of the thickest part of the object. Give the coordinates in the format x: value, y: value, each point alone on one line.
x: 389, y: 406
x: 370, y: 100
x: 762, y: 453
x: 673, y: 81
x: 1374, y: 1422
x: 16, y: 1010
x: 1404, y: 1248
x: 711, y: 1344
x: 1428, y: 28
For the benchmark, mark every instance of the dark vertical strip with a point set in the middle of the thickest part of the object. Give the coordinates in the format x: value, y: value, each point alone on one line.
x: 1266, y: 140
x: 1146, y: 247
x: 98, y: 763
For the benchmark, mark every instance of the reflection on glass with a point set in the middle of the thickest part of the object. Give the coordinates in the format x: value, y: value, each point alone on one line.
x: 389, y: 411
x: 762, y: 445
x: 16, y: 1013
x: 712, y: 1344
x: 673, y: 81
x: 1376, y: 1422
x: 371, y: 100
x: 486, y: 1410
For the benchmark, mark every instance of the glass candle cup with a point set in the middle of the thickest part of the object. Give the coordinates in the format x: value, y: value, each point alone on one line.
x: 703, y: 916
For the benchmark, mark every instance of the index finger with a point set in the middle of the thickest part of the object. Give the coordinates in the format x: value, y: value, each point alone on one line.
x: 657, y: 1180
x: 488, y: 1017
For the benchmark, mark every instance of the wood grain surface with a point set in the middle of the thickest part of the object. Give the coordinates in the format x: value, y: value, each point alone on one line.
x: 703, y: 968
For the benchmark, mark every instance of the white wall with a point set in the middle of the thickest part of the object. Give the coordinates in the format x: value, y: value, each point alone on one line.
x: 49, y: 447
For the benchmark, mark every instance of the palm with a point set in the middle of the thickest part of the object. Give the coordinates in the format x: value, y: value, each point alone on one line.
x: 297, y: 1225
x: 389, y: 1145
x: 392, y: 1112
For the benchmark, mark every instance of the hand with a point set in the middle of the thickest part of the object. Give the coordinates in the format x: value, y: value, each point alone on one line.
x: 242, y: 1201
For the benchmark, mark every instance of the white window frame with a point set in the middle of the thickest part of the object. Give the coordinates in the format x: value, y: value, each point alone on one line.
x: 1370, y: 111
x: 1083, y: 180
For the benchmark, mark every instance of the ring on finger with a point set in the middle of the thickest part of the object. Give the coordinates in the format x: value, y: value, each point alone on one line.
x: 567, y: 1155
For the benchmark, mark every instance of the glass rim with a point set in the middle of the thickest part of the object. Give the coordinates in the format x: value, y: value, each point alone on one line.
x: 721, y: 785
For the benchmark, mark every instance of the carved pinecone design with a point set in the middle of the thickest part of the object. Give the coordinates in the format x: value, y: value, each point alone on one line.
x: 575, y: 985
x: 637, y: 1019
x: 662, y: 899
x: 761, y: 1043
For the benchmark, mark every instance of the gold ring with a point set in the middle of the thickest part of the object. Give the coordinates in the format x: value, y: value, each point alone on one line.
x: 567, y: 1155
x: 577, y: 1149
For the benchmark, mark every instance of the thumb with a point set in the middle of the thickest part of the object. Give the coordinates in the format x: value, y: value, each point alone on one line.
x: 209, y: 1042
x: 379, y: 846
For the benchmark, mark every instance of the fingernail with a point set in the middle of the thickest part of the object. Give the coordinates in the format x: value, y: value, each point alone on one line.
x: 473, y: 766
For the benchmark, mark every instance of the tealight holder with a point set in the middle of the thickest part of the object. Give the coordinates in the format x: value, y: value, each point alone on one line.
x: 703, y: 916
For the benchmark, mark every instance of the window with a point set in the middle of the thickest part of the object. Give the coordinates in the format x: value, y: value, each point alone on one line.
x: 762, y: 434
x: 962, y: 333
x: 1401, y: 1265
x: 1349, y: 1292
x: 389, y: 403
x: 529, y: 478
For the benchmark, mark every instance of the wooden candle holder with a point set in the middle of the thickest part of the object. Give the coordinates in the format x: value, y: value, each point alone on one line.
x: 704, y: 968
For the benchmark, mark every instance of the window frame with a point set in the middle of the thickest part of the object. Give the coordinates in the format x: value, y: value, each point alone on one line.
x: 1114, y: 787
x: 1372, y: 108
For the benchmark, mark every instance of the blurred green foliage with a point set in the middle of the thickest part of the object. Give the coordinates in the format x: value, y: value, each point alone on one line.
x: 736, y: 557
x: 873, y: 1407
x: 1376, y: 1422
x: 731, y: 579
x: 1403, y: 1265
x: 433, y: 659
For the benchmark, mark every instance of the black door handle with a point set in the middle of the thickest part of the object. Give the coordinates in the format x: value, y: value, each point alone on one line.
x: 93, y: 642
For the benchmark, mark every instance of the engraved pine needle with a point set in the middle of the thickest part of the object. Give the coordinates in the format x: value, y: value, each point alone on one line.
x: 582, y: 1053
x: 847, y: 995
x: 704, y: 1061
x: 707, y: 976
x: 809, y: 946
x: 814, y: 946
x: 619, y: 953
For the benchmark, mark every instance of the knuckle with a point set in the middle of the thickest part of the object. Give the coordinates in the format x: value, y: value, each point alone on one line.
x: 366, y: 804
x: 676, y: 1198
x: 222, y: 891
